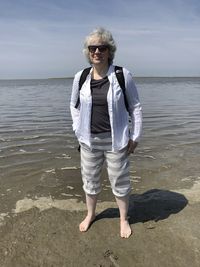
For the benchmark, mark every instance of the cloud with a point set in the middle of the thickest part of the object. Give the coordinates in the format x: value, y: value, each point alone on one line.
x: 45, y: 38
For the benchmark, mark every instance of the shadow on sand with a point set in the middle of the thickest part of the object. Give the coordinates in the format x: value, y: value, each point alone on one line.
x: 155, y: 204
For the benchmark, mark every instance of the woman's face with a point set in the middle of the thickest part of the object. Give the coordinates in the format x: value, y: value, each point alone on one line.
x: 98, y: 51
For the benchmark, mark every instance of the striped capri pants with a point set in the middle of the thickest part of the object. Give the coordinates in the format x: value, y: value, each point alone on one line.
x: 117, y: 163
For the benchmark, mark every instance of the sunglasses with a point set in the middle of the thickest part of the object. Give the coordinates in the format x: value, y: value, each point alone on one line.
x: 101, y: 48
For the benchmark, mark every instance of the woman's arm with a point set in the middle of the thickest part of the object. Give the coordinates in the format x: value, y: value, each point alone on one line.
x: 135, y: 109
x: 74, y: 96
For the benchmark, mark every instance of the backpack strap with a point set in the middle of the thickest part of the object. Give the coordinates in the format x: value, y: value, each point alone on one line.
x: 83, y: 77
x: 120, y: 78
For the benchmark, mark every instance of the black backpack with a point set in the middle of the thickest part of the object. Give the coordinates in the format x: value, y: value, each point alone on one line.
x: 120, y: 78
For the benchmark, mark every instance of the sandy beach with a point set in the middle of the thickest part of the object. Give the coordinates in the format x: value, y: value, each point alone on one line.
x: 39, y: 225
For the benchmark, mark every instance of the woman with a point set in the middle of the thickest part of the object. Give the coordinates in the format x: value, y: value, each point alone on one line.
x: 101, y: 124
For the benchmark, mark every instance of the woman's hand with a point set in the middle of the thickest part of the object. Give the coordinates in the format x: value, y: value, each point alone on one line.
x: 131, y: 146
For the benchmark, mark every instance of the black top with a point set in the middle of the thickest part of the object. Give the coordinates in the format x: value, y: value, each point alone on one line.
x: 100, y: 121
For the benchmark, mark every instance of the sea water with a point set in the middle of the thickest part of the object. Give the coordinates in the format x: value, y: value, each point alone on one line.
x: 36, y: 129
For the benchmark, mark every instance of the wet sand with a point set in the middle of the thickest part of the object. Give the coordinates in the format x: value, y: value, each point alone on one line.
x: 40, y: 216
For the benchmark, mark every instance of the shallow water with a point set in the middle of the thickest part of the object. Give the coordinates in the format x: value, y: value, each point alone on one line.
x: 36, y: 135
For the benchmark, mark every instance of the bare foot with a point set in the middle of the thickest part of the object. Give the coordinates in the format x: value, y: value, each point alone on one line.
x: 125, y: 229
x: 85, y: 224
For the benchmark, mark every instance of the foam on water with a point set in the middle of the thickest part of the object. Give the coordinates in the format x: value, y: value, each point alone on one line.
x: 192, y: 194
x: 44, y: 203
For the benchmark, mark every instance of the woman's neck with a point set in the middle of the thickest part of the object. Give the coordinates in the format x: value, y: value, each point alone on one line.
x: 99, y: 72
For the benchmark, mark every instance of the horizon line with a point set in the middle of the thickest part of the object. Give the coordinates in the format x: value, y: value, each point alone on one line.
x: 51, y: 78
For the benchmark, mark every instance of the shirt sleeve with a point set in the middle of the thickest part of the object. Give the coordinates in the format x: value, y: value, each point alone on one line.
x: 135, y: 109
x: 75, y: 112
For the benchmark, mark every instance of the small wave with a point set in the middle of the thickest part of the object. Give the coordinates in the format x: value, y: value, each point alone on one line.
x: 50, y: 171
x: 22, y: 150
x: 64, y: 156
x: 24, y: 163
x: 146, y: 156
x: 31, y: 137
x: 69, y: 168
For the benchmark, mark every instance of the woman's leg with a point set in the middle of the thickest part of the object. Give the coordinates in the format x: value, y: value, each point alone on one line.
x: 123, y: 203
x: 91, y: 201
x: 91, y: 165
x: 118, y: 171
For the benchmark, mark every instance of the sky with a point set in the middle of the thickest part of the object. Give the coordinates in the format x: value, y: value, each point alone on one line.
x: 44, y: 38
